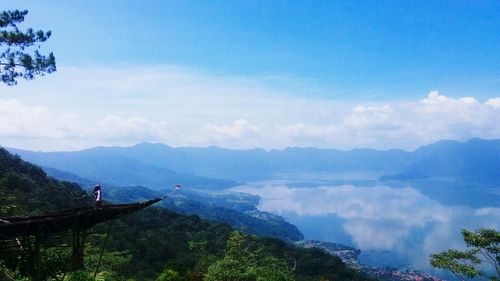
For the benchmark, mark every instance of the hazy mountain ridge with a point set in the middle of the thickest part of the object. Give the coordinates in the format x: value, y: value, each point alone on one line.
x: 254, y: 164
x: 100, y: 164
x: 475, y: 159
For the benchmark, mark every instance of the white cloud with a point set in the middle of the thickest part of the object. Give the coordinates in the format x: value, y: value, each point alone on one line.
x: 240, y: 134
x: 406, y: 206
x: 133, y: 128
x: 369, y: 235
x: 241, y: 128
x: 302, y: 134
x: 40, y: 124
x: 408, y: 124
x: 182, y: 107
x: 20, y: 121
x: 495, y: 102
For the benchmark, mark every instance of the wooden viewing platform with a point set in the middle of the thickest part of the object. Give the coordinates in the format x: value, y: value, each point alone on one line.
x: 78, y: 218
x: 27, y: 233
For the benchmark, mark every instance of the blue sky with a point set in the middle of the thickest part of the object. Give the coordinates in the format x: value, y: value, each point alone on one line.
x: 353, y: 47
x: 357, y: 53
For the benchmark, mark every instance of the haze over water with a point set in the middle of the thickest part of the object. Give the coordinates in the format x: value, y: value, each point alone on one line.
x: 398, y: 225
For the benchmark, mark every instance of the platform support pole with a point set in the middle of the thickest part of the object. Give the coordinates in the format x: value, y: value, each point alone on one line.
x: 79, y: 236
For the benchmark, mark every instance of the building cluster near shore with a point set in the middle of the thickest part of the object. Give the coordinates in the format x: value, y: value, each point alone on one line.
x: 349, y: 255
x: 392, y: 274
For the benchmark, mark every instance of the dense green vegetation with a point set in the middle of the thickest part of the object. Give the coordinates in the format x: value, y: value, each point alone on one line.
x: 16, y: 60
x: 153, y: 244
x: 481, y: 259
x: 26, y: 189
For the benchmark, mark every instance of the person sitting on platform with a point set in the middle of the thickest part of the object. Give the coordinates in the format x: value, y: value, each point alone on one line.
x: 97, y: 196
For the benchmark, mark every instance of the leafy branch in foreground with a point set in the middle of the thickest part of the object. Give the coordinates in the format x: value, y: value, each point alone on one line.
x: 483, y: 250
x: 246, y: 262
x: 15, y: 59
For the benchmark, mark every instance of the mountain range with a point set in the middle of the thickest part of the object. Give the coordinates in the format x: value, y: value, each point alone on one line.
x: 475, y: 160
x: 157, y: 165
x: 104, y: 165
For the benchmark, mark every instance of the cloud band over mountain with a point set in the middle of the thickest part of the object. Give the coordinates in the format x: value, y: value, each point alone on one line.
x: 188, y: 108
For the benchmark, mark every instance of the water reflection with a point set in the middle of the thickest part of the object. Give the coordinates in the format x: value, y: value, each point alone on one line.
x: 375, y: 219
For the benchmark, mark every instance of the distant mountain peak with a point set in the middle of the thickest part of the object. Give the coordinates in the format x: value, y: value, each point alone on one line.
x: 150, y: 144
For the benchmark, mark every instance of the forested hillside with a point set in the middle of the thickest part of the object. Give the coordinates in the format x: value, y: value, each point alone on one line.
x: 242, y: 216
x: 25, y: 189
x: 237, y: 210
x: 154, y: 244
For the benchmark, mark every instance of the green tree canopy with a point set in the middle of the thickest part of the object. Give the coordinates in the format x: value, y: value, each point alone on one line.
x: 246, y: 262
x: 483, y: 250
x: 17, y: 57
x: 169, y: 275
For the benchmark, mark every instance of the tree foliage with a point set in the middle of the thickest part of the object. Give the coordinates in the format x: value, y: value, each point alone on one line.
x: 246, y: 262
x: 20, y: 56
x: 168, y: 275
x: 483, y: 250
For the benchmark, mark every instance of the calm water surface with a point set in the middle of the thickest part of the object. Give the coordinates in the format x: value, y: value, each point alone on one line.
x: 398, y: 225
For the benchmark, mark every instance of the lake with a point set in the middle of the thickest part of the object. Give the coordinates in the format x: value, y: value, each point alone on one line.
x: 394, y: 223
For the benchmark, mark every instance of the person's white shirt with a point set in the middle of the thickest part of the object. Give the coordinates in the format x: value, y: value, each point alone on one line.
x: 98, y: 195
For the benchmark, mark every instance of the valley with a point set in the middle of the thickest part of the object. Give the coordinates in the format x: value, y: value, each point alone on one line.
x: 392, y: 222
